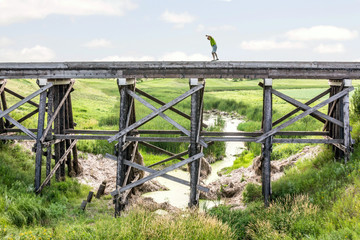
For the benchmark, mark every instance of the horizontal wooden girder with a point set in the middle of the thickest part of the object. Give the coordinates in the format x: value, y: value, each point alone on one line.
x: 182, y: 69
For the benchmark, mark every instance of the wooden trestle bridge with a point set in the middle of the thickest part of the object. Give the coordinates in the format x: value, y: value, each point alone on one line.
x: 55, y: 137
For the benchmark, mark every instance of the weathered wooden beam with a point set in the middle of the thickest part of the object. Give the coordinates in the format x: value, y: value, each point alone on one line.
x: 346, y: 120
x: 160, y: 149
x: 40, y: 128
x: 21, y: 127
x: 185, y: 69
x: 304, y: 114
x: 195, y: 128
x: 58, y: 107
x: 267, y: 145
x: 316, y: 114
x: 298, y: 108
x: 57, y: 165
x: 170, y: 158
x: 2, y: 86
x: 157, y: 174
x: 165, y: 117
x: 25, y: 100
x: 15, y: 94
x: 49, y: 135
x: 154, y: 114
x: 175, y: 110
x: 306, y: 140
x: 27, y: 116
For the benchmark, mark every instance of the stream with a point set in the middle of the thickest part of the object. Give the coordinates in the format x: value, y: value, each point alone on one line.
x: 178, y: 194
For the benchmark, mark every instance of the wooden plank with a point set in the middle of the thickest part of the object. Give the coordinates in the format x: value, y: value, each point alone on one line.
x: 332, y: 109
x: 267, y: 146
x: 194, y: 147
x: 172, y: 178
x: 76, y: 163
x: 318, y: 115
x: 166, y: 118
x: 175, y: 110
x: 306, y: 140
x: 15, y: 137
x: 39, y: 147
x: 58, y: 108
x: 346, y: 130
x: 49, y: 115
x: 68, y: 142
x: 133, y: 155
x: 61, y: 116
x: 160, y: 149
x: 21, y: 127
x: 56, y: 129
x: 2, y: 123
x: 154, y: 114
x: 157, y: 174
x: 25, y: 100
x: 57, y: 165
x: 21, y: 97
x: 298, y: 108
x: 304, y: 114
x: 184, y: 69
x: 169, y: 159
x: 27, y: 116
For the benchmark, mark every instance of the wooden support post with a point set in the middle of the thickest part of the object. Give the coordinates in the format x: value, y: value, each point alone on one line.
x: 346, y: 120
x: 40, y: 129
x: 2, y: 122
x: 335, y: 110
x: 125, y: 102
x: 267, y: 145
x: 50, y: 112
x: 59, y: 122
x: 4, y: 104
x: 76, y: 164
x: 69, y: 164
x: 196, y: 118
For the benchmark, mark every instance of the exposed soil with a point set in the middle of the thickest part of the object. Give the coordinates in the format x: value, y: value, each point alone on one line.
x: 230, y: 187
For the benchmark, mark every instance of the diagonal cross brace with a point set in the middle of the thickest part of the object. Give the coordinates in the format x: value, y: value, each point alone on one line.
x: 157, y: 174
x: 21, y: 127
x: 154, y: 114
x: 306, y: 107
x: 146, y: 169
x: 304, y: 114
x: 25, y: 100
x: 168, y: 119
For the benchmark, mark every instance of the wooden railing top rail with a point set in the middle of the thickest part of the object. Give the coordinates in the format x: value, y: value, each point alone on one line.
x: 178, y: 69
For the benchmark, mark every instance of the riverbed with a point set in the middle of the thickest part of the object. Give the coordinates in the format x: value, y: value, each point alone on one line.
x: 178, y: 194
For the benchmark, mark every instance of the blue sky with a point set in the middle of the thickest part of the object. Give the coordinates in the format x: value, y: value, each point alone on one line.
x: 124, y: 30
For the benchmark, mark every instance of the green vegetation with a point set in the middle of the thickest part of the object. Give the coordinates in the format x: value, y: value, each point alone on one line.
x: 317, y: 199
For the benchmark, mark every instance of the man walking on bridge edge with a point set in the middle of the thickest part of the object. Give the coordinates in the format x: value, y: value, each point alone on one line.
x: 214, y: 47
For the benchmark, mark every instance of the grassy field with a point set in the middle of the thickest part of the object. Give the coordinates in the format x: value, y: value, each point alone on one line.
x: 318, y: 199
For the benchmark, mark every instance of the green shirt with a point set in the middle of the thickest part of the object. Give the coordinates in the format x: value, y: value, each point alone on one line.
x: 212, y: 41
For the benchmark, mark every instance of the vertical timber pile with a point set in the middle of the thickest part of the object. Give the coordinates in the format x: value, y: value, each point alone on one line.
x: 122, y: 155
x: 335, y: 110
x: 40, y: 130
x: 346, y: 120
x: 267, y: 143
x: 2, y: 122
x: 196, y: 121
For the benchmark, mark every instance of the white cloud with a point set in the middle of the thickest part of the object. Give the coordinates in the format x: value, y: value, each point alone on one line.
x: 258, y: 45
x: 179, y: 19
x: 330, y: 48
x: 171, y: 56
x: 321, y: 33
x: 98, y: 43
x: 4, y: 41
x: 34, y: 54
x: 22, y: 10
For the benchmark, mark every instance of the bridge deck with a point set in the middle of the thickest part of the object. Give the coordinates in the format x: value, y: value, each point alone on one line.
x: 219, y: 69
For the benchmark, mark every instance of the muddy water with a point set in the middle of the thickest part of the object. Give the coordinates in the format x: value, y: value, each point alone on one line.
x: 178, y: 194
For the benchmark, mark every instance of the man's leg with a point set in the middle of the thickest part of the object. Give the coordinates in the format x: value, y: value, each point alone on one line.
x: 213, y: 55
x: 216, y: 56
